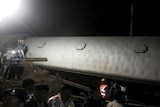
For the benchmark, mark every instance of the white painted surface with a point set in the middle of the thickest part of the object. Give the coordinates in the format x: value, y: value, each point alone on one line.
x: 114, y: 56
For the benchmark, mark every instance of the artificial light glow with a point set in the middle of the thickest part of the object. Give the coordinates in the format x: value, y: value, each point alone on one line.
x: 13, y: 52
x: 8, y: 7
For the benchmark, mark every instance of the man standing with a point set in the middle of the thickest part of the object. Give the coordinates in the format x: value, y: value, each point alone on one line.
x: 63, y: 98
x: 103, y: 86
x: 6, y: 61
x: 20, y: 48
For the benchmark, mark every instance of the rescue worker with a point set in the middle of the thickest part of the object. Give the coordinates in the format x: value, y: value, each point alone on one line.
x: 103, y: 88
x: 20, y: 48
x: 6, y: 61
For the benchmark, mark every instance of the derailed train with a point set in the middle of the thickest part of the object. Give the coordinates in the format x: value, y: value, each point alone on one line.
x: 136, y: 58
x: 130, y: 58
x: 133, y: 61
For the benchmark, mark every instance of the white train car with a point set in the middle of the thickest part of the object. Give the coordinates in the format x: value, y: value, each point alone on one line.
x: 132, y: 58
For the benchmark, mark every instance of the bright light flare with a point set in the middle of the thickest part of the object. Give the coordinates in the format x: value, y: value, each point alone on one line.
x: 13, y: 52
x: 8, y: 7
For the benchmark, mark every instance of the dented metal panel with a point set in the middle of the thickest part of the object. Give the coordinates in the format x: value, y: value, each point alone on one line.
x: 128, y: 57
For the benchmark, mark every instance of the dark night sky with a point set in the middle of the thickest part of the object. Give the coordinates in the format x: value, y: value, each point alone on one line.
x: 84, y: 17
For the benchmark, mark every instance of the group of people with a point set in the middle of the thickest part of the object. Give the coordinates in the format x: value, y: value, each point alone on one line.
x: 32, y: 94
x: 113, y: 94
x: 9, y: 60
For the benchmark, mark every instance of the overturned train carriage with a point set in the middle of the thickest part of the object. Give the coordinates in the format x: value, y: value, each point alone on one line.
x: 129, y: 58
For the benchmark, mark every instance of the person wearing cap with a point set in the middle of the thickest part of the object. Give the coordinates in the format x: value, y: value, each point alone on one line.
x: 103, y: 87
x: 62, y: 99
x: 14, y: 97
x: 40, y: 96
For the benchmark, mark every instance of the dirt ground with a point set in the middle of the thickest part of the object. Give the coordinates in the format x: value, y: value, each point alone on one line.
x: 35, y: 73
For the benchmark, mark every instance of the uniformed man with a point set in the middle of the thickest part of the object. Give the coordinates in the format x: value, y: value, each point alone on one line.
x: 103, y: 86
